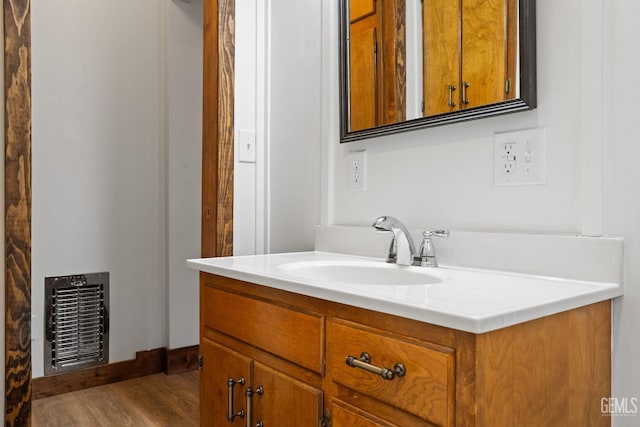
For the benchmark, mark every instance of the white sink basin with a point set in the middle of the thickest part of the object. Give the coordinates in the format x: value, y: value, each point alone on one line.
x: 361, y: 273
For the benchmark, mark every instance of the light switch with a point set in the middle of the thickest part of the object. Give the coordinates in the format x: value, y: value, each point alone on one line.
x: 246, y: 146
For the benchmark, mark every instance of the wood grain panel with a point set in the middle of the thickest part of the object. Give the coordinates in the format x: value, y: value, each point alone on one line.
x: 17, y: 89
x: 209, y: 204
x: 282, y: 395
x: 226, y: 72
x: 394, y: 64
x: 217, y: 130
x: 589, y: 366
x: 344, y: 416
x: 465, y: 346
x: 377, y: 65
x: 359, y: 9
x: 441, y: 55
x: 293, y: 335
x: 549, y: 371
x: 364, y: 86
x: 484, y: 53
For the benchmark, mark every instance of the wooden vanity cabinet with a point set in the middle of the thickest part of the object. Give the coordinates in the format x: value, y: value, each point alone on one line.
x: 271, y: 354
x: 549, y: 371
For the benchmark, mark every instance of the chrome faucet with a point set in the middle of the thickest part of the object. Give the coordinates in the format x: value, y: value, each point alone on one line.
x: 405, y: 249
x: 427, y: 253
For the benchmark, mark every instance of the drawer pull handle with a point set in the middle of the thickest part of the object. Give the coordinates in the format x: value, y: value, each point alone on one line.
x: 231, y: 413
x: 249, y: 394
x: 364, y: 362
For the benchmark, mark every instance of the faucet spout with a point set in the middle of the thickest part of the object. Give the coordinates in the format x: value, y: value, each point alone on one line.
x: 406, y: 250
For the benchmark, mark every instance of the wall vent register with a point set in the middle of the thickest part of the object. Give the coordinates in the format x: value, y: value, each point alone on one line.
x: 77, y: 322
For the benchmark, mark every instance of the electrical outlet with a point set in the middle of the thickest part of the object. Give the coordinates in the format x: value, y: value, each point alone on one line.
x: 357, y: 170
x: 508, y: 149
x: 508, y: 165
x: 519, y: 158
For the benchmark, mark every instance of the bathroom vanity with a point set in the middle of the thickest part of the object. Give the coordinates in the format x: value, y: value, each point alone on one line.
x: 286, y: 342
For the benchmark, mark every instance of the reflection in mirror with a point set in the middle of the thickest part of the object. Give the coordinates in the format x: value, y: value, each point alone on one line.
x: 409, y: 64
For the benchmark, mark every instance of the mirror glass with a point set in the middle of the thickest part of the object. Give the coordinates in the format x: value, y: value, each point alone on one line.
x: 409, y: 64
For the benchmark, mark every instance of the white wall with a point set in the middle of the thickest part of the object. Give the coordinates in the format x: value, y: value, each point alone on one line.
x: 294, y: 126
x: 278, y: 85
x: 99, y: 161
x: 184, y: 162
x: 246, y: 181
x: 442, y: 177
x: 622, y: 177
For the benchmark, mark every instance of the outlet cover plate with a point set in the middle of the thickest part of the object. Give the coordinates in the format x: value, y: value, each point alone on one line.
x: 357, y: 170
x: 519, y: 158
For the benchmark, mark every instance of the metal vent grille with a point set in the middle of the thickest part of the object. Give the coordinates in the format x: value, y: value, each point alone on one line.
x: 77, y: 322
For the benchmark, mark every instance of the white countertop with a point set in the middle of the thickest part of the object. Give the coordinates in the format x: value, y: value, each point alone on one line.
x: 467, y: 299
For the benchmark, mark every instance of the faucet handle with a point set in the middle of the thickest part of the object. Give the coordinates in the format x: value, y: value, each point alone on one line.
x: 437, y: 233
x: 427, y: 254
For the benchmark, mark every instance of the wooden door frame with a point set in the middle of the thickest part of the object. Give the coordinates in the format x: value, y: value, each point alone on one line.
x: 218, y: 128
x: 17, y: 175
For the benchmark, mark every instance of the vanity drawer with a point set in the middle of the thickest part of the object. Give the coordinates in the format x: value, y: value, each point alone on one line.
x: 427, y: 388
x: 292, y: 334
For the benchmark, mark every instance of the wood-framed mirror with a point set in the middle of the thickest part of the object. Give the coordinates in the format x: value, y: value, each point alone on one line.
x: 412, y: 64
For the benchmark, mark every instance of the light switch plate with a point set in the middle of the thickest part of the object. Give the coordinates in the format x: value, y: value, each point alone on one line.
x: 246, y: 146
x: 519, y: 158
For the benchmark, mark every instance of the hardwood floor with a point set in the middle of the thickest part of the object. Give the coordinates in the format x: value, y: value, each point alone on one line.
x: 154, y: 400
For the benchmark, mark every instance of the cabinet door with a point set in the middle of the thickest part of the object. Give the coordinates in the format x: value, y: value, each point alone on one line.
x: 441, y: 55
x: 285, y: 401
x: 364, y: 78
x: 377, y: 57
x: 484, y: 50
x: 220, y: 364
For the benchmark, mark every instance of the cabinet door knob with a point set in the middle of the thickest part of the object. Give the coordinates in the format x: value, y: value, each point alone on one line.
x: 386, y: 373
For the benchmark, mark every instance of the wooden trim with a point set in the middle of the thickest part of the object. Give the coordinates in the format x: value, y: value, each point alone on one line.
x: 181, y: 360
x: 226, y: 73
x: 209, y: 129
x: 17, y: 132
x: 217, y: 131
x: 168, y: 361
x: 146, y: 363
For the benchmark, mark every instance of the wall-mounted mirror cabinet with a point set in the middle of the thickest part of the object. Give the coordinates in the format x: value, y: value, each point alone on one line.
x: 410, y: 64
